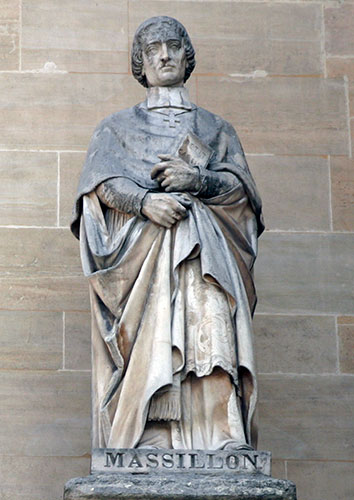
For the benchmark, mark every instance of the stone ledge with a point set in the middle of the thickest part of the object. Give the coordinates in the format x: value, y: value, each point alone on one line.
x: 186, y: 486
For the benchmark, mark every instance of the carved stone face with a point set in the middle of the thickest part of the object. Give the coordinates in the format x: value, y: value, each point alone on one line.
x: 164, y: 57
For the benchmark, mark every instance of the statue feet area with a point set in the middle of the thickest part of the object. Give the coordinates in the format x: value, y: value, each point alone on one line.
x: 179, y: 474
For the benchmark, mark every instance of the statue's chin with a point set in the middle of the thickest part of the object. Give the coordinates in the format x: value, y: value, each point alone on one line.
x: 168, y: 79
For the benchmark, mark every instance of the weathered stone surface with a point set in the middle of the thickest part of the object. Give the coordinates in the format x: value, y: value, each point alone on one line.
x: 28, y: 192
x: 31, y: 340
x: 70, y: 169
x: 343, y: 67
x: 180, y: 461
x: 295, y: 182
x: 35, y: 276
x: 346, y: 346
x: 299, y: 116
x: 38, y: 253
x: 44, y: 293
x: 288, y: 34
x: 38, y: 478
x: 305, y: 273
x: 342, y: 176
x: 339, y: 30
x: 295, y: 344
x: 345, y: 320
x: 9, y: 36
x: 307, y: 417
x: 9, y: 10
x: 186, y: 486
x: 278, y: 469
x: 351, y: 98
x: 59, y: 111
x: 9, y: 40
x: 77, y: 340
x: 322, y: 480
x: 81, y: 36
x: 339, y: 66
x: 45, y: 413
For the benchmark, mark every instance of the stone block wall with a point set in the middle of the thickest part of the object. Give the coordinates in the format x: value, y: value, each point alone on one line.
x: 283, y: 74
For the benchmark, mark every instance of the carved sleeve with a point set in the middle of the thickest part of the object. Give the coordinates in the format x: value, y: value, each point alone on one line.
x: 122, y: 194
x: 217, y: 183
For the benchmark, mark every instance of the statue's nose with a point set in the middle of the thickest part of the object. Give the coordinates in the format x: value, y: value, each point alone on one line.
x: 164, y: 53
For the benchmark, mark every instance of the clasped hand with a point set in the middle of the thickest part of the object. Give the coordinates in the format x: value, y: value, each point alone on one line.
x: 174, y: 175
x: 166, y: 209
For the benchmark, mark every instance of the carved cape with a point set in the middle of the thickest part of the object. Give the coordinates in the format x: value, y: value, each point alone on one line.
x: 134, y: 267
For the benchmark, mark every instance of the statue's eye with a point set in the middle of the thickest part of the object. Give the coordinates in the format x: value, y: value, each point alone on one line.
x: 151, y: 50
x: 175, y: 45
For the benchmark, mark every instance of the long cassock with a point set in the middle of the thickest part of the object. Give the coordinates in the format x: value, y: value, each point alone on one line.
x: 172, y: 355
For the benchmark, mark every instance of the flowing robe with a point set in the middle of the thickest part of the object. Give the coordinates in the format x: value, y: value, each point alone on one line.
x: 166, y: 302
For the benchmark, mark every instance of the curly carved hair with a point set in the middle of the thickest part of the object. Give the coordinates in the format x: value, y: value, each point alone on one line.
x: 167, y: 25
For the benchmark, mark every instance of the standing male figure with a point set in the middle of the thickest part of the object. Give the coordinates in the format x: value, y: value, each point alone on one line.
x: 168, y: 217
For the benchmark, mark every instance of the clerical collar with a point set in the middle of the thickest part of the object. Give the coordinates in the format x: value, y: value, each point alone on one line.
x: 168, y: 97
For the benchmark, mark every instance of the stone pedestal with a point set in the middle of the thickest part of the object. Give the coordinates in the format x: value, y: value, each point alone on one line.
x: 179, y: 474
x: 186, y: 485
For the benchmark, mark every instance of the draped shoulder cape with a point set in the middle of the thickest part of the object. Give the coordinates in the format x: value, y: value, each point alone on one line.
x: 135, y: 267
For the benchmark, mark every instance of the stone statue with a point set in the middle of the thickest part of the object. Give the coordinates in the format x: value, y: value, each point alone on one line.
x: 168, y: 217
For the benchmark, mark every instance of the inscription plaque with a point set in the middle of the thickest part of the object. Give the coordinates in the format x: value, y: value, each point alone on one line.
x: 201, y: 461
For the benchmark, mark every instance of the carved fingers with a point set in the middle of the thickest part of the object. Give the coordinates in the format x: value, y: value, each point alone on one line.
x: 164, y: 210
x: 174, y: 174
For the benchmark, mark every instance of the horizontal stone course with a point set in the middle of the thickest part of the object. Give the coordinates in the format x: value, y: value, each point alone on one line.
x: 307, y: 417
x: 48, y: 293
x: 64, y: 110
x: 35, y: 276
x: 292, y: 116
x: 34, y: 478
x: 326, y: 480
x: 59, y: 111
x: 29, y: 189
x: 79, y: 36
x: 38, y: 253
x: 262, y: 39
x: 31, y: 340
x: 304, y: 273
x: 45, y: 413
x: 297, y: 183
x: 298, y: 344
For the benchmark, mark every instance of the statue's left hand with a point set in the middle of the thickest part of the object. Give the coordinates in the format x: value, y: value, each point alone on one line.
x: 174, y: 174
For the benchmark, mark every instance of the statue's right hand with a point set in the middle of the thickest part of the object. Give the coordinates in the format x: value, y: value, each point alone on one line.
x: 163, y: 209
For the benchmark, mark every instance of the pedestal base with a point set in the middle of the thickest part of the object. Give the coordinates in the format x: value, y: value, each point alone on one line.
x: 186, y: 486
